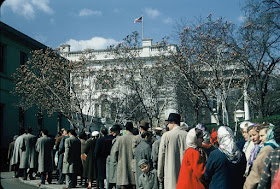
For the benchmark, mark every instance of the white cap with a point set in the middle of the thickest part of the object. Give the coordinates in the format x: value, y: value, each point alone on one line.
x: 95, y: 133
x: 242, y: 124
x: 158, y: 128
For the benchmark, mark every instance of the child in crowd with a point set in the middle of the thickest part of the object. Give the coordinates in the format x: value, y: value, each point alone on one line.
x: 148, y: 178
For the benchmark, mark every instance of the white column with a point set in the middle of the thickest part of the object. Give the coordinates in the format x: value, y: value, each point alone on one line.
x: 246, y: 104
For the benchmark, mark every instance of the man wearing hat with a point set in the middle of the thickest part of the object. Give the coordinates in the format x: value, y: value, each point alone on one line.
x: 171, y: 151
x: 124, y: 155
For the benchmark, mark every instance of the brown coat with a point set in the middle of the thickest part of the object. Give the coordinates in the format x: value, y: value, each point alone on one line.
x: 254, y: 176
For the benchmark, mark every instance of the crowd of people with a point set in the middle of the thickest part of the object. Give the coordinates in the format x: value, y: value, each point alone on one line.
x: 173, y: 157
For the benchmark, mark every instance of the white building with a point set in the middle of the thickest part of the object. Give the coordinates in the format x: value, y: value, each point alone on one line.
x: 101, y: 101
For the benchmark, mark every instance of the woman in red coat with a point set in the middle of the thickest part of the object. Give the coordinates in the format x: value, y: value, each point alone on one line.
x: 193, y: 163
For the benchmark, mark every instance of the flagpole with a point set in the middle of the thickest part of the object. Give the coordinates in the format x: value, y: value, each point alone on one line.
x: 142, y: 28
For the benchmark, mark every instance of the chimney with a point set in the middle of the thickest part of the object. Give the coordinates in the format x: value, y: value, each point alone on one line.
x: 64, y: 48
x: 147, y: 42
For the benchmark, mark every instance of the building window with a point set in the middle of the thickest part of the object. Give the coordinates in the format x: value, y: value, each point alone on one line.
x: 3, y: 58
x: 23, y: 58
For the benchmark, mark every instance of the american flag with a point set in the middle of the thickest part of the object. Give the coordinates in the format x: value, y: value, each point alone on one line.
x: 138, y: 19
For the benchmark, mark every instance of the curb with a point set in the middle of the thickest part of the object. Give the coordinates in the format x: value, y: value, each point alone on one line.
x: 43, y: 186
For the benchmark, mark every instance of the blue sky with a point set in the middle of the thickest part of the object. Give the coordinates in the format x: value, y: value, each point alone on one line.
x: 99, y: 23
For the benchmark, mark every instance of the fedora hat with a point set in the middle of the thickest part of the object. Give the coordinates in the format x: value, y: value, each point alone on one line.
x: 144, y: 124
x: 116, y: 127
x: 174, y: 117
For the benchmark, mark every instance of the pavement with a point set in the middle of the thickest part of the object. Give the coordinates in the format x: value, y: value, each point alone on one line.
x: 37, y: 180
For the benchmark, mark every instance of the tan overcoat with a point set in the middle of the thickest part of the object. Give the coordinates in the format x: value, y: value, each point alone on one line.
x: 124, y: 156
x: 256, y: 172
x: 171, y: 151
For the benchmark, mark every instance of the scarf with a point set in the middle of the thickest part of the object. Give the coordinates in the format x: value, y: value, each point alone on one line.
x: 192, y: 143
x: 227, y: 144
x: 253, y: 154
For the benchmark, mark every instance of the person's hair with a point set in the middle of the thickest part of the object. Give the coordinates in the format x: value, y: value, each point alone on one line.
x: 176, y: 122
x: 256, y: 127
x: 146, y: 133
x: 73, y: 132
x: 135, y: 131
x: 199, y: 133
x: 83, y: 135
x: 45, y: 131
x: 104, y: 131
x: 264, y: 126
x: 158, y: 133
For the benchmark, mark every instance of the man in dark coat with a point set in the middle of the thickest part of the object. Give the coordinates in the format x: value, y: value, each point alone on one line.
x: 90, y: 170
x: 102, y: 150
x: 44, y: 146
x: 72, y: 165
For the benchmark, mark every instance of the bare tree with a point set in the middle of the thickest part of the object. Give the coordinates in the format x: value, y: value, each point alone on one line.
x: 47, y: 81
x: 261, y: 39
x: 209, y: 64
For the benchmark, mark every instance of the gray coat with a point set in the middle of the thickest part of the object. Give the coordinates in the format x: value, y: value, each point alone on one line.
x: 112, y: 162
x: 148, y: 180
x: 44, y: 146
x: 72, y: 156
x: 28, y: 154
x: 61, y: 150
x: 142, y: 151
x: 125, y: 176
x: 154, y: 156
x: 17, y: 151
x: 171, y: 151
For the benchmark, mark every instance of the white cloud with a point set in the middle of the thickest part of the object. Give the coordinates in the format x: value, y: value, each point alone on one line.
x: 153, y: 13
x: 93, y: 43
x: 27, y: 8
x: 88, y: 12
x: 241, y: 18
x: 168, y: 20
x: 42, y: 5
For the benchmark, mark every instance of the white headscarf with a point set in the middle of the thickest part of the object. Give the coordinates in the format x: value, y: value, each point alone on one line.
x: 191, y: 139
x: 227, y: 144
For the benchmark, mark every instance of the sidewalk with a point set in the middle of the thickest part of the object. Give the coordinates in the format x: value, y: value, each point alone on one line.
x: 35, y: 182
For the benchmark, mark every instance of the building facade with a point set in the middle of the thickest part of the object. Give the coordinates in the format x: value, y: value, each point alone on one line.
x: 15, y: 49
x: 103, y: 100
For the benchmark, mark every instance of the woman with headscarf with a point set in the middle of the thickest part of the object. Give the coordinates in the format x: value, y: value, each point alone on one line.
x: 207, y: 146
x: 226, y: 165
x: 193, y: 163
x: 267, y: 144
